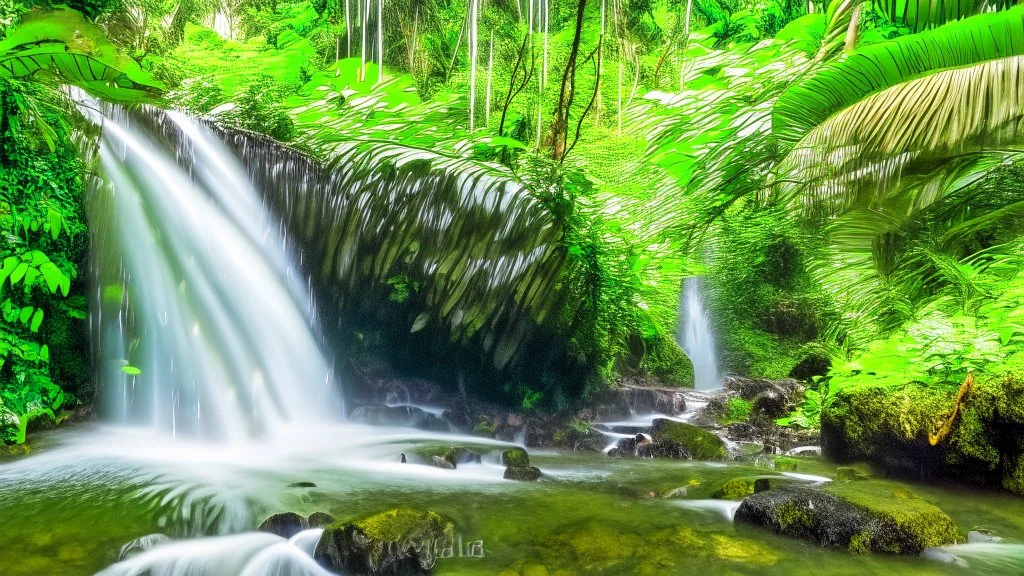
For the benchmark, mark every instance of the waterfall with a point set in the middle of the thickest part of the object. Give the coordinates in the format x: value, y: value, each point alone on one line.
x: 201, y: 320
x: 696, y: 339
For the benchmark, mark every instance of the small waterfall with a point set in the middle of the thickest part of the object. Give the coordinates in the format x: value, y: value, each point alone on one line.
x: 201, y: 321
x: 696, y: 339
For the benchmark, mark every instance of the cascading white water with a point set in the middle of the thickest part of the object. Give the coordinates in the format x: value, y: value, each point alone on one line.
x: 196, y: 289
x: 696, y: 339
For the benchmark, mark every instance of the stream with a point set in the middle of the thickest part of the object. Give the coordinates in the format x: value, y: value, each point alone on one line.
x: 86, y: 491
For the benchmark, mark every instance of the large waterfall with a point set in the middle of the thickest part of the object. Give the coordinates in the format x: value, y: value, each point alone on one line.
x: 696, y: 338
x: 201, y: 321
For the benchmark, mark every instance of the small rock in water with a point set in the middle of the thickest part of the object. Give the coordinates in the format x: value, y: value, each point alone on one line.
x: 319, y: 520
x: 442, y: 463
x: 403, y: 460
x: 284, y: 524
x: 523, y: 473
x: 142, y: 544
x: 302, y: 485
x: 400, y: 542
x: 515, y: 458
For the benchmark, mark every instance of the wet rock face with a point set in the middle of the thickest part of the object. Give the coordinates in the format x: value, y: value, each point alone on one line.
x: 522, y: 473
x: 857, y: 521
x: 399, y: 542
x: 284, y: 524
x: 410, y: 416
x: 288, y: 524
x: 623, y: 402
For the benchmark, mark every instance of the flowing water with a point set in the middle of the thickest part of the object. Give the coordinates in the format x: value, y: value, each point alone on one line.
x: 696, y: 338
x: 219, y: 409
x: 199, y: 324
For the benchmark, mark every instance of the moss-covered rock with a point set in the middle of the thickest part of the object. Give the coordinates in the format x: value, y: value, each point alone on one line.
x: 890, y: 427
x: 399, y: 542
x: 858, y: 520
x: 735, y: 489
x: 515, y: 458
x: 522, y: 473
x: 696, y: 443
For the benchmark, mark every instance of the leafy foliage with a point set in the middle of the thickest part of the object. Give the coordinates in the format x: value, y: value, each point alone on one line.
x: 42, y: 226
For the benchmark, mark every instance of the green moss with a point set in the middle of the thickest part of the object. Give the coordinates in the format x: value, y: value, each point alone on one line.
x: 735, y: 489
x: 911, y: 524
x: 860, y: 543
x: 697, y: 442
x: 890, y: 426
x: 515, y: 458
x: 791, y: 515
x: 786, y: 464
x: 402, y: 524
x: 737, y: 410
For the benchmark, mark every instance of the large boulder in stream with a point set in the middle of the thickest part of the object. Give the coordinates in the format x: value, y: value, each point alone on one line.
x: 686, y: 441
x: 399, y: 542
x: 862, y: 520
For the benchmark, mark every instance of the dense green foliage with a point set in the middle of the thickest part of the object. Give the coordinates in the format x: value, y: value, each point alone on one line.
x: 847, y: 180
x: 42, y: 223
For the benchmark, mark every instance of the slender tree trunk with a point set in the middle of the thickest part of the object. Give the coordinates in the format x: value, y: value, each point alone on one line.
x: 490, y: 68
x: 380, y: 41
x: 560, y: 131
x: 472, y: 64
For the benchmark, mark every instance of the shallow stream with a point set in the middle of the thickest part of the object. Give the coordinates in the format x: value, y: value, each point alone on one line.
x: 84, y: 492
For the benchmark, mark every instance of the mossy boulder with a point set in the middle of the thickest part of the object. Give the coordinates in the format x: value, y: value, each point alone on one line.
x: 890, y: 427
x: 860, y: 521
x: 515, y: 458
x: 693, y: 442
x: 399, y: 542
x: 522, y: 473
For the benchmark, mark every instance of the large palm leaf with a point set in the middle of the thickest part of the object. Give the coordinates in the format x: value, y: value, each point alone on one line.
x: 901, y: 149
x: 63, y: 43
x: 875, y: 68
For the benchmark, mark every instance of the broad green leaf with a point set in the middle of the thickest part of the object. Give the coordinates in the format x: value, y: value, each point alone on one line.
x: 25, y: 314
x: 37, y: 319
x: 65, y: 43
x: 19, y: 273
x: 130, y: 370
x: 869, y: 70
